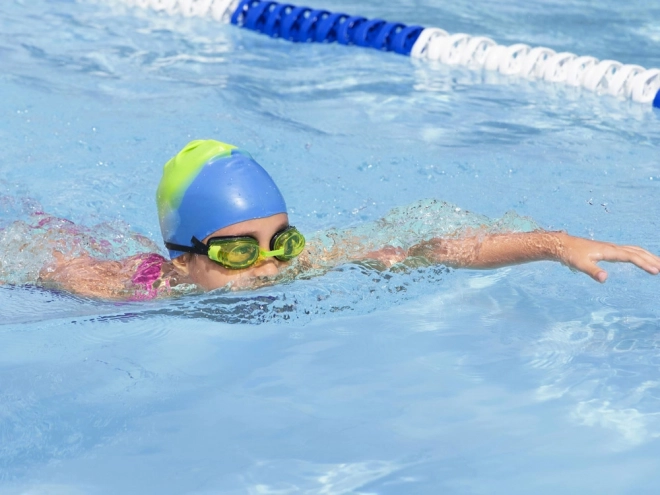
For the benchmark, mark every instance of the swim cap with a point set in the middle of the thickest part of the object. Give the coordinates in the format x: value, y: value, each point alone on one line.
x: 210, y: 185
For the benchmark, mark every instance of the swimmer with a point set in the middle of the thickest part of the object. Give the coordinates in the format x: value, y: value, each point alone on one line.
x: 224, y: 223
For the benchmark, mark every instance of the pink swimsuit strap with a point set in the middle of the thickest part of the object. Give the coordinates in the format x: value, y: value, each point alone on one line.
x: 147, y: 272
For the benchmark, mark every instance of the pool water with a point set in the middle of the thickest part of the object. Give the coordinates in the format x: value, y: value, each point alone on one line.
x: 529, y: 379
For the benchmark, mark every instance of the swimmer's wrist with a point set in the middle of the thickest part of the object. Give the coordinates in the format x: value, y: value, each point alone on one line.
x: 557, y: 248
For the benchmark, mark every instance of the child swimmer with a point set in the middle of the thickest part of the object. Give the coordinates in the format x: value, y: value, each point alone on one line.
x: 225, y: 225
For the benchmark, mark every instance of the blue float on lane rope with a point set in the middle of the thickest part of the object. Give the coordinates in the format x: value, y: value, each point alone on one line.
x: 302, y: 24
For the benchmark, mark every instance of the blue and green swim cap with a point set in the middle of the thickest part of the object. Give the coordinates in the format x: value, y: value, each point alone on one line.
x: 210, y: 185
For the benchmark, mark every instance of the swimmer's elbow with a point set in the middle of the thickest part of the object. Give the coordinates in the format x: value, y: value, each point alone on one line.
x: 455, y: 253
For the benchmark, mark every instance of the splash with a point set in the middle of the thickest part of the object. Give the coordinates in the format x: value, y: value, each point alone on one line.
x: 423, y: 220
x: 402, y: 228
x: 335, y: 283
x: 29, y: 238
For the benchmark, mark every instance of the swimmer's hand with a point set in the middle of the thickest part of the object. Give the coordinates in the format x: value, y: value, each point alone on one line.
x: 584, y: 254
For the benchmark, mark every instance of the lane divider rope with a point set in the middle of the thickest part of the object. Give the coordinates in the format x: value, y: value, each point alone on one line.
x: 303, y: 24
x: 601, y: 76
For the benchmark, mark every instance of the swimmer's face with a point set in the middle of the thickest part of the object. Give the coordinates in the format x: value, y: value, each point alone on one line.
x: 211, y: 275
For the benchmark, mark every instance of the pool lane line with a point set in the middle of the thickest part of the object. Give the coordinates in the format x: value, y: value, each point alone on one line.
x: 304, y: 24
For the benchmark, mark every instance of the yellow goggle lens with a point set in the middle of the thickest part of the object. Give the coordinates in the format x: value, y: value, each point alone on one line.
x: 238, y: 253
x: 291, y: 242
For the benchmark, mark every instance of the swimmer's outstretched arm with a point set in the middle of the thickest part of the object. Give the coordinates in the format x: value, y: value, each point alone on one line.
x: 498, y: 250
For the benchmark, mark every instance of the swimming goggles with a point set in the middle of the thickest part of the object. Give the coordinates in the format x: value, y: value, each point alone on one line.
x: 237, y: 252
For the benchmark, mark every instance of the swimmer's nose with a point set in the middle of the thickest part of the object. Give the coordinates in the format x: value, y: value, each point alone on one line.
x: 266, y: 268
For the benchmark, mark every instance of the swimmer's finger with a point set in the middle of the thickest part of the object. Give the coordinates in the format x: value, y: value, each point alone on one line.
x: 633, y: 254
x: 645, y: 260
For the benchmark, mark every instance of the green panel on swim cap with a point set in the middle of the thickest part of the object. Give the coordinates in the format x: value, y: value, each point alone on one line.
x: 180, y: 171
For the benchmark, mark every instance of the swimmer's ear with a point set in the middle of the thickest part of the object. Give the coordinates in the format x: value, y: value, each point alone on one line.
x: 182, y: 264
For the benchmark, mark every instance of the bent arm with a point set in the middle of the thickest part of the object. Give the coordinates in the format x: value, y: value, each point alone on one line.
x: 86, y: 276
x: 134, y: 278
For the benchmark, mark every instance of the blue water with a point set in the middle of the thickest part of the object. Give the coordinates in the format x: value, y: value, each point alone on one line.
x: 529, y: 379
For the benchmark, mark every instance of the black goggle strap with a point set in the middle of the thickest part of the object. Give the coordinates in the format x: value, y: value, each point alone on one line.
x: 198, y: 247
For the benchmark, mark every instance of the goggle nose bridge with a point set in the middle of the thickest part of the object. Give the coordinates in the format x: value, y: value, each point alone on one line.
x: 271, y: 254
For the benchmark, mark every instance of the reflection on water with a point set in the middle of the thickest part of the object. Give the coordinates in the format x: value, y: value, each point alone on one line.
x: 264, y: 476
x: 605, y: 365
